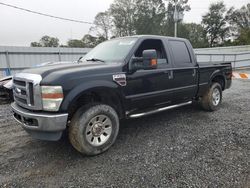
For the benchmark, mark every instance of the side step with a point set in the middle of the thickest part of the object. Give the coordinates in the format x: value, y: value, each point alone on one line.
x: 159, y: 110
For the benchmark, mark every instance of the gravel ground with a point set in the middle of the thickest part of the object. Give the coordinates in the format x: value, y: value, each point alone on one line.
x: 185, y: 147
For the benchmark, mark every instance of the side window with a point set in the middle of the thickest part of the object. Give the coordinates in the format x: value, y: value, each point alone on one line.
x: 153, y: 44
x: 180, y: 52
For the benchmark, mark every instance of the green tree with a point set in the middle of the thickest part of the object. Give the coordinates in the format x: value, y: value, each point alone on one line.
x: 35, y: 44
x: 149, y: 16
x: 46, y: 41
x: 181, y: 6
x: 103, y: 25
x: 183, y: 30
x: 131, y: 17
x: 90, y: 41
x: 122, y: 15
x: 244, y: 37
x: 100, y: 39
x: 75, y: 43
x: 240, y: 18
x: 215, y: 24
x: 195, y: 34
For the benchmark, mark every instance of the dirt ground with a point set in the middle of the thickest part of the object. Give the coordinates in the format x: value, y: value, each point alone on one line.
x: 185, y: 147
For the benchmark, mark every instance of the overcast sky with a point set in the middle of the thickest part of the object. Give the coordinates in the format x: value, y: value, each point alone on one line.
x: 19, y: 28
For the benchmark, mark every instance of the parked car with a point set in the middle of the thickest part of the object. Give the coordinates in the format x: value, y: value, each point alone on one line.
x: 122, y: 78
x: 6, y: 84
x: 6, y: 95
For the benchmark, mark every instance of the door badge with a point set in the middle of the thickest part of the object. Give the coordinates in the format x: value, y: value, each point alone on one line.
x: 120, y: 79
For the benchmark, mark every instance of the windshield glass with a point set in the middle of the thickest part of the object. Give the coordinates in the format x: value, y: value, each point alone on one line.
x: 113, y: 50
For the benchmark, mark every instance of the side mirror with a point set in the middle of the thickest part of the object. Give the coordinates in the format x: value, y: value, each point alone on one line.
x: 147, y: 62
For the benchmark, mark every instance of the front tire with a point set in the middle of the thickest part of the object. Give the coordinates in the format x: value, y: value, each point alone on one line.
x: 94, y: 129
x: 212, y: 98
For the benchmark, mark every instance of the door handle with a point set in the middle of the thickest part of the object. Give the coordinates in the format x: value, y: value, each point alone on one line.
x: 170, y: 74
x: 194, y: 72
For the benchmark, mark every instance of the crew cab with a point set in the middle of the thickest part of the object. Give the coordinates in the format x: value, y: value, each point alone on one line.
x: 121, y: 78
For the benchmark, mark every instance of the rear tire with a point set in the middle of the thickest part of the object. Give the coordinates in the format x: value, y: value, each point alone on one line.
x: 212, y: 98
x: 94, y: 129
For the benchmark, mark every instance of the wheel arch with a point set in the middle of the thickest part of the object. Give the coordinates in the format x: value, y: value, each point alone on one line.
x: 218, y: 77
x: 97, y: 91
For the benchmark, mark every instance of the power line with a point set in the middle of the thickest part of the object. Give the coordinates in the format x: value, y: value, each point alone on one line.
x: 48, y: 15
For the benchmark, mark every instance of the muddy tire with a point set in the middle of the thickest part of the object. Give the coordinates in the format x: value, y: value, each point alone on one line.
x: 212, y: 98
x: 93, y: 129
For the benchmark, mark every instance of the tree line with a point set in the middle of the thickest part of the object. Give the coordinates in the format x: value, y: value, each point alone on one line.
x: 88, y: 41
x: 219, y: 26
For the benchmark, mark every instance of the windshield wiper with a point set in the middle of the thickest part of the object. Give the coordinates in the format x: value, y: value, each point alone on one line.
x: 95, y: 59
x: 79, y: 60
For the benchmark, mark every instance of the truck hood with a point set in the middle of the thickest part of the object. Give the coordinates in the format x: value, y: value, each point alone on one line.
x: 54, y: 74
x: 67, y: 68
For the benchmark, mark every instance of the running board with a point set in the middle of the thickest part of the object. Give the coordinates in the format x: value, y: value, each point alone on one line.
x: 159, y: 110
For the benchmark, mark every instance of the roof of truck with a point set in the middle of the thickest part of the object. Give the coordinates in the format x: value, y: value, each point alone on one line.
x: 153, y: 37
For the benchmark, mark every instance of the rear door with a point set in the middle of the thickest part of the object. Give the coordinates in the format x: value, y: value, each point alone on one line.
x: 185, y: 70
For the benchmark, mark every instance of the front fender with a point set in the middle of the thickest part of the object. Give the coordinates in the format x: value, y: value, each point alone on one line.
x: 85, y: 87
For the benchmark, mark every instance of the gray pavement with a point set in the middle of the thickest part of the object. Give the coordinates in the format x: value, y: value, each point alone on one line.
x: 185, y: 147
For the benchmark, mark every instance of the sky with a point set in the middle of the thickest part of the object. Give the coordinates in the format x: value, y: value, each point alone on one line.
x: 19, y: 28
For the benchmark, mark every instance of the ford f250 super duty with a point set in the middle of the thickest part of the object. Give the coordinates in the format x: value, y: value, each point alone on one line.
x: 121, y: 78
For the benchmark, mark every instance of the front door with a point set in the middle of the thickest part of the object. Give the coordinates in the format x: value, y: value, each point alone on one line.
x: 149, y: 88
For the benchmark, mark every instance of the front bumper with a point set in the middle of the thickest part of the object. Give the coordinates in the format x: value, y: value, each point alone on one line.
x: 41, y: 125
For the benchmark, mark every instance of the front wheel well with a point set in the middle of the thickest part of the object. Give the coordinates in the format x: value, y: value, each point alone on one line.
x: 219, y: 79
x: 108, y: 97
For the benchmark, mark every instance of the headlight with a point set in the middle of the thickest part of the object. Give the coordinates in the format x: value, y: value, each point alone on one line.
x: 52, y: 97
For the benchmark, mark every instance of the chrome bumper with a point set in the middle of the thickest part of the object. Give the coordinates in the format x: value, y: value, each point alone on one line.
x: 41, y: 125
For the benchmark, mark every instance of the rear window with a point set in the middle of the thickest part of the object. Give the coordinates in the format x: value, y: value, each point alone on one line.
x: 180, y: 52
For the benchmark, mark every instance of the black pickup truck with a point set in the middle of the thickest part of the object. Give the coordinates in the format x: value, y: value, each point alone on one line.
x: 121, y: 78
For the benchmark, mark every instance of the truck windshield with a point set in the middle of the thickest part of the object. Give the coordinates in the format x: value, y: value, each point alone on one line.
x: 110, y: 51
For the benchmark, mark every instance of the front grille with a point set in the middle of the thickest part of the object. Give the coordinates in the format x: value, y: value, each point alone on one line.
x: 26, y: 90
x: 22, y: 92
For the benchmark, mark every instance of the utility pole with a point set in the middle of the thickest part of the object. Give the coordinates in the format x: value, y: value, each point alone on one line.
x: 178, y: 16
x: 175, y: 19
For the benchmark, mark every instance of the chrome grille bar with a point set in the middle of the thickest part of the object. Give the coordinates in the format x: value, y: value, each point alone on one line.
x: 28, y: 94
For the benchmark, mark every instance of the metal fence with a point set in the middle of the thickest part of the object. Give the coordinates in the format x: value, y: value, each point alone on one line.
x: 241, y: 59
x: 15, y: 59
x: 239, y: 56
